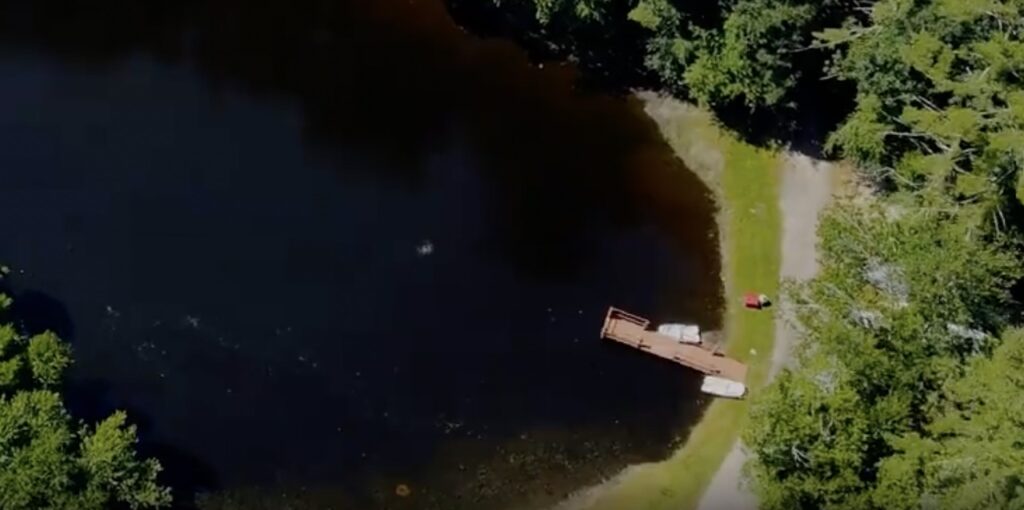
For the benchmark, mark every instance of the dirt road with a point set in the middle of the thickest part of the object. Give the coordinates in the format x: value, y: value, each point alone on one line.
x: 805, y: 190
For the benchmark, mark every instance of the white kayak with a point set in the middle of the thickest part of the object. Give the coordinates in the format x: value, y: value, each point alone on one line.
x: 723, y: 387
x: 685, y: 333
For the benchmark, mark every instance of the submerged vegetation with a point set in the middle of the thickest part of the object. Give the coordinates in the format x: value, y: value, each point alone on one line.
x: 906, y: 387
x: 49, y: 460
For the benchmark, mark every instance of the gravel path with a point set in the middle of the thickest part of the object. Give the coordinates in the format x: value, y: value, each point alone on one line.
x: 805, y: 190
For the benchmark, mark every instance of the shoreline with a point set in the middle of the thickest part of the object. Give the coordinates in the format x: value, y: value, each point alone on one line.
x: 768, y: 204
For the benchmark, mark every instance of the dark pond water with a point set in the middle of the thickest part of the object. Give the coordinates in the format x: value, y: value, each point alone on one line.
x: 321, y: 248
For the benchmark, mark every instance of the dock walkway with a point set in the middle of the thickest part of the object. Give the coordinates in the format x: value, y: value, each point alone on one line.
x: 629, y: 329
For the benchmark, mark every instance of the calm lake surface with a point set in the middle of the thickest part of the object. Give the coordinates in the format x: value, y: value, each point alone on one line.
x: 321, y: 248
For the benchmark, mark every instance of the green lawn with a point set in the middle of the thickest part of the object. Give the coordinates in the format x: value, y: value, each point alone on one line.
x: 750, y: 220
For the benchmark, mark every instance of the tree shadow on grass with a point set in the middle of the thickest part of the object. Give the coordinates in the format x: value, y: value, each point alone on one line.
x: 805, y: 127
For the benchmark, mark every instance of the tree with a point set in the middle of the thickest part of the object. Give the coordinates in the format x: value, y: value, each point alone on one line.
x: 940, y: 107
x: 810, y: 433
x: 48, y: 357
x: 745, y: 54
x: 749, y: 59
x: 581, y: 10
x: 47, y: 459
x: 972, y: 455
x: 904, y: 300
x: 736, y: 51
x: 913, y: 293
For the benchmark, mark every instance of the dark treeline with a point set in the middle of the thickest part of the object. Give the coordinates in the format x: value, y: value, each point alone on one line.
x: 907, y: 391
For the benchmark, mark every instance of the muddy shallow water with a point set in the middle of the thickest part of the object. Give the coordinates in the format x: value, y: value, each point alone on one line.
x: 321, y: 248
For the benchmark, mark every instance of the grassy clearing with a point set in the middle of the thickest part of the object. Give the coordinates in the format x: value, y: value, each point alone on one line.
x: 751, y: 232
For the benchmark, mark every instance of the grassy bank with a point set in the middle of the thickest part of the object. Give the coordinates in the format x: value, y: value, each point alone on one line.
x: 746, y: 181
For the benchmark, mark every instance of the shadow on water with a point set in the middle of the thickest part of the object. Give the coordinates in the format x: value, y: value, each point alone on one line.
x: 384, y: 90
x: 186, y: 473
x: 91, y: 401
x: 611, y: 52
x: 380, y: 78
x: 610, y: 55
x: 37, y: 312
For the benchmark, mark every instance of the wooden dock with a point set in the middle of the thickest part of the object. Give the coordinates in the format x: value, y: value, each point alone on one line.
x: 626, y: 328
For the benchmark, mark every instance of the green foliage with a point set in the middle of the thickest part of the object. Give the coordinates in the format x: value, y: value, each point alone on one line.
x: 746, y: 56
x: 913, y: 294
x: 10, y: 373
x: 582, y: 10
x: 48, y: 357
x: 862, y: 136
x: 107, y: 455
x: 45, y: 464
x: 50, y: 461
x: 1019, y: 191
x: 935, y: 78
x: 650, y: 14
x: 927, y: 258
x: 971, y: 456
x: 35, y: 437
x: 808, y: 422
x: 748, y: 59
x: 670, y: 47
x: 903, y: 301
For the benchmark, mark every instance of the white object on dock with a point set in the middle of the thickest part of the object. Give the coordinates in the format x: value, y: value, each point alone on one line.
x: 723, y: 387
x: 685, y: 333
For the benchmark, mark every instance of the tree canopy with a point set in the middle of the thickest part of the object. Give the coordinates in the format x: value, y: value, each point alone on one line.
x: 940, y: 100
x: 971, y: 456
x: 718, y: 53
x: 915, y: 293
x: 48, y: 460
x: 903, y: 303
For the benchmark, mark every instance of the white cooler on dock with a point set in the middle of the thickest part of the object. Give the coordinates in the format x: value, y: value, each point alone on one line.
x: 685, y: 333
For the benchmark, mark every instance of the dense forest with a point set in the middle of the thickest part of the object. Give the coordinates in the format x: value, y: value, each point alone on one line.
x: 49, y: 460
x: 907, y: 391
